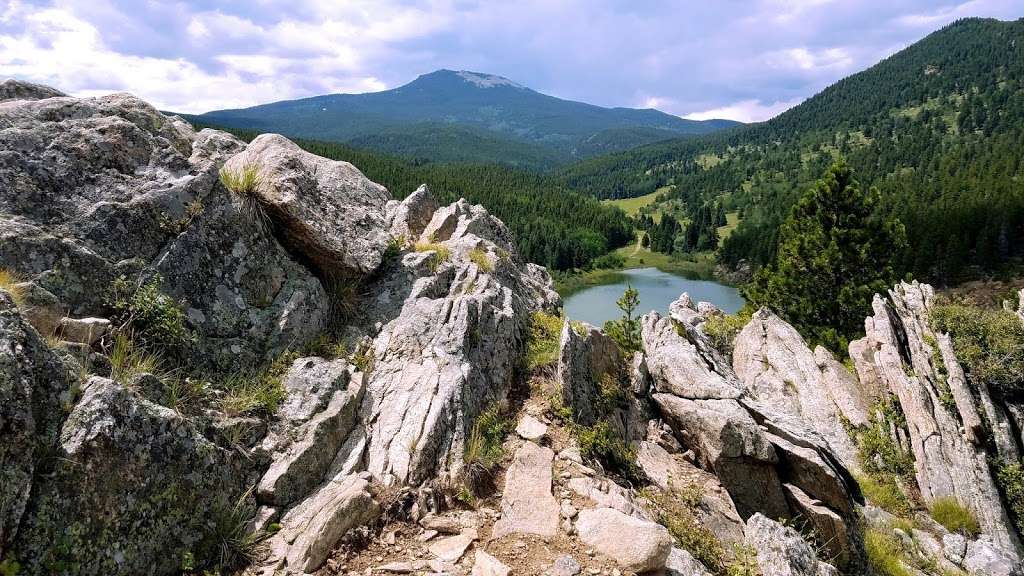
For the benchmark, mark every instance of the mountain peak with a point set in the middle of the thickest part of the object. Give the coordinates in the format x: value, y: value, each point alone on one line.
x: 478, y: 79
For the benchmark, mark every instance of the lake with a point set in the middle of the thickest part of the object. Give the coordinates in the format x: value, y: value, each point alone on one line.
x: 596, y: 304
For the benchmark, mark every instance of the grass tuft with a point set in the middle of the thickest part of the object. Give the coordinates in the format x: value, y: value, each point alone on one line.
x: 245, y: 184
x: 9, y: 281
x: 479, y: 257
x: 885, y: 555
x: 954, y: 516
x: 676, y: 510
x: 883, y: 491
x: 483, y: 450
x: 440, y: 256
x: 543, y: 339
x: 127, y: 360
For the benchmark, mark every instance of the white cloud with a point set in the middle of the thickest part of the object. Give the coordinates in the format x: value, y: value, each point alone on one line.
x: 745, y: 111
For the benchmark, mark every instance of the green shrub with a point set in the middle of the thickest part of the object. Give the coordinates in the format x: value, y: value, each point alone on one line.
x: 543, y: 339
x: 676, y: 510
x: 882, y: 490
x: 885, y: 554
x: 483, y: 450
x: 626, y: 330
x: 479, y: 257
x: 153, y: 318
x: 879, y: 453
x: 954, y: 516
x: 610, y: 261
x: 744, y: 561
x: 599, y: 442
x: 1010, y: 476
x: 988, y: 342
x: 722, y: 329
x: 9, y: 281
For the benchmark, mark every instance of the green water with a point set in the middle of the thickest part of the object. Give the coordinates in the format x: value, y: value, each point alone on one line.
x: 596, y: 304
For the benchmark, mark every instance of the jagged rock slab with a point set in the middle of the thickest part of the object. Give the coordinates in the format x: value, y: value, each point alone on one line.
x: 777, y: 368
x: 301, y: 465
x: 326, y: 209
x: 607, y: 494
x: 310, y: 530
x: 529, y: 428
x: 407, y: 219
x: 898, y: 351
x: 634, y: 544
x: 782, y: 551
x: 585, y: 356
x: 527, y: 505
x: 452, y: 548
x: 21, y: 90
x: 682, y: 563
x: 729, y: 442
x: 985, y: 558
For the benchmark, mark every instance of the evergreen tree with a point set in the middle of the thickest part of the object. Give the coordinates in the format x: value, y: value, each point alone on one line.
x: 835, y: 251
x: 626, y: 330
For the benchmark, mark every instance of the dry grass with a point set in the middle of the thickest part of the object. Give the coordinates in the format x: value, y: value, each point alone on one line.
x: 245, y: 184
x: 441, y: 253
x: 9, y: 281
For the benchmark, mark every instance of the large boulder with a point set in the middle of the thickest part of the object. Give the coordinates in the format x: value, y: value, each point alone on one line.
x: 586, y: 357
x: 681, y: 364
x: 920, y: 369
x: 123, y: 463
x: 324, y: 209
x: 635, y: 544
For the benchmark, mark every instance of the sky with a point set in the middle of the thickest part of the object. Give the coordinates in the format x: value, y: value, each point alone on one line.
x: 699, y: 59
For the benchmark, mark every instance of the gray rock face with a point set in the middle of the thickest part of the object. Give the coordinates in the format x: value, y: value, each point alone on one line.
x: 113, y: 444
x: 782, y: 551
x: 583, y: 361
x: 325, y: 210
x: 986, y: 558
x: 32, y: 382
x: 448, y: 346
x: 20, y: 90
x: 634, y: 544
x: 777, y: 368
x: 96, y: 188
x: 407, y: 219
x: 682, y: 563
x: 898, y: 351
x: 527, y: 505
x: 680, y: 365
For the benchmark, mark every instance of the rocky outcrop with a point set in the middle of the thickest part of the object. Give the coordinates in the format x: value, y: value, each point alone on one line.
x: 752, y: 449
x: 407, y: 219
x: 777, y: 368
x: 586, y: 357
x: 34, y: 386
x: 918, y: 367
x: 20, y: 90
x: 93, y: 189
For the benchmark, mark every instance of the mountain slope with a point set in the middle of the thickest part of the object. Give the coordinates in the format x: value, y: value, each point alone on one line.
x: 469, y: 104
x: 936, y: 127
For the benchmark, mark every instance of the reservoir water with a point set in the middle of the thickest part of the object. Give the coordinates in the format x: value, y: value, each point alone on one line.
x: 596, y: 304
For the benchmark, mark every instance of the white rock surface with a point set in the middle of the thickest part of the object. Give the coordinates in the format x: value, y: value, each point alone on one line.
x: 486, y: 565
x: 529, y: 428
x: 527, y: 505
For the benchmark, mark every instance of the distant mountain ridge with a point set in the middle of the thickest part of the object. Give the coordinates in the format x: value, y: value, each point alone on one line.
x: 478, y: 117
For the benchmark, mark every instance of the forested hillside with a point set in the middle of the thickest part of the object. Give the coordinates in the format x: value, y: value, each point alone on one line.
x: 937, y: 128
x: 553, y: 226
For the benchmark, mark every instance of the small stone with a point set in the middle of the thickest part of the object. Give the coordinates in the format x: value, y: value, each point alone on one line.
x: 634, y: 544
x: 427, y: 535
x: 568, y: 527
x: 568, y: 510
x: 487, y: 565
x: 529, y: 428
x: 566, y: 566
x: 954, y: 547
x: 572, y: 454
x: 451, y: 549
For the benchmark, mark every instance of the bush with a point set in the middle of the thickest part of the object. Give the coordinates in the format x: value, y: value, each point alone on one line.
x: 1010, y: 476
x: 610, y: 261
x: 153, y: 318
x: 483, y: 450
x: 954, y: 516
x: 543, y: 340
x: 9, y: 283
x: 883, y: 491
x: 988, y: 342
x: 599, y: 442
x: 676, y: 510
x: 885, y: 555
x: 722, y: 329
